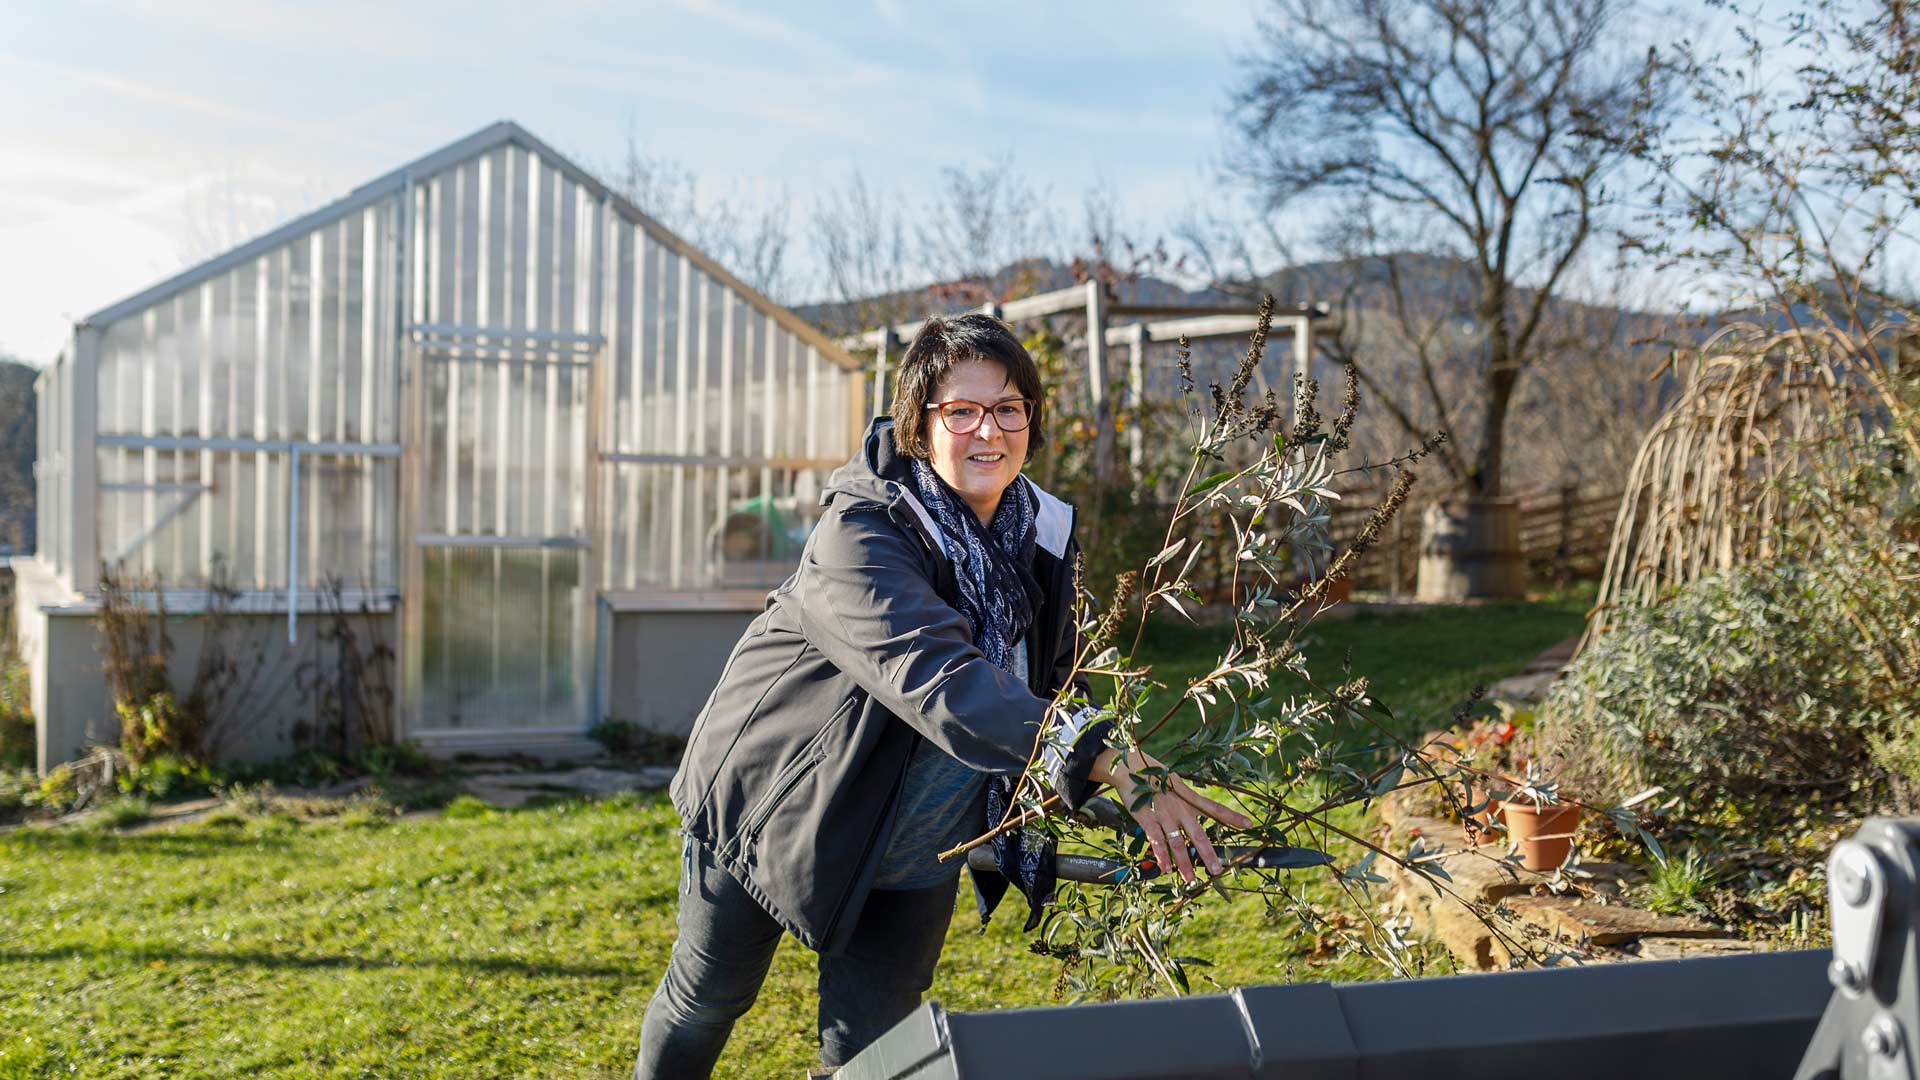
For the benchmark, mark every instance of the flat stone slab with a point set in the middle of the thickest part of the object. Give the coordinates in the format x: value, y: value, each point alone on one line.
x: 1672, y: 948
x: 1532, y: 682
x: 1572, y: 919
x: 511, y: 789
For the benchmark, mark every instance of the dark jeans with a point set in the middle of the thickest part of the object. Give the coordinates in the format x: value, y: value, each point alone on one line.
x: 726, y: 943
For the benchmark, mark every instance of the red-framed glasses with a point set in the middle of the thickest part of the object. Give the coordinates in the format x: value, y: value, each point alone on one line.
x: 963, y: 417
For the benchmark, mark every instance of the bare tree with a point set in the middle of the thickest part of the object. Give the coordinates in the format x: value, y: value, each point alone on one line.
x: 1482, y: 130
x: 860, y: 238
x: 1114, y: 246
x: 747, y: 233
x: 226, y: 210
x: 1800, y: 192
x: 1229, y: 249
x: 981, y: 224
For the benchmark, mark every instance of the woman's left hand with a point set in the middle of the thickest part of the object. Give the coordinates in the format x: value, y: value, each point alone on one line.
x: 1171, y: 819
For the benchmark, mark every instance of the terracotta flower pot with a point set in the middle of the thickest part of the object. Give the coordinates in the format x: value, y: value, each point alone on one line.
x: 1544, y: 834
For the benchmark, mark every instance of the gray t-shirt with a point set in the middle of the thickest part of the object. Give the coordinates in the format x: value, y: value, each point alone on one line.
x: 942, y: 804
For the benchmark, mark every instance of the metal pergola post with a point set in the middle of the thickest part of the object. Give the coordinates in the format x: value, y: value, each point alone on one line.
x: 1101, y: 408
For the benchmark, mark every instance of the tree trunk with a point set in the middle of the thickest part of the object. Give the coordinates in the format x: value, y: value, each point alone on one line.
x: 1487, y: 478
x: 1502, y: 373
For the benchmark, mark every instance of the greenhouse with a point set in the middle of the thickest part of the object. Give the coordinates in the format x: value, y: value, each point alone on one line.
x: 548, y: 452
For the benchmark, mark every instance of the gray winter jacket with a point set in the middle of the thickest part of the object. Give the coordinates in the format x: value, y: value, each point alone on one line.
x: 793, y: 769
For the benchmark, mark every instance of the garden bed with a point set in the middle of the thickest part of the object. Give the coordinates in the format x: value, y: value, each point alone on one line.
x: 1581, y: 914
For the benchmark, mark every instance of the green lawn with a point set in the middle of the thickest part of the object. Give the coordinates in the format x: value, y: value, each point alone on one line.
x: 518, y: 944
x: 1420, y: 662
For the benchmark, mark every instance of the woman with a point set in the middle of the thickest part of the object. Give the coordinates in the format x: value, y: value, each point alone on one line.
x: 912, y: 656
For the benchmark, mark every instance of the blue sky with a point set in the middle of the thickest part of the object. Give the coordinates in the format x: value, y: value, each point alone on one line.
x: 141, y: 137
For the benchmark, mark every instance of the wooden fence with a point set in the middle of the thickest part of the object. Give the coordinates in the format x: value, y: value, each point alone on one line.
x: 1564, y: 533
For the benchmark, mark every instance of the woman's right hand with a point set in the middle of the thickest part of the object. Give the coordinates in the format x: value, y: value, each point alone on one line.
x: 1171, y: 819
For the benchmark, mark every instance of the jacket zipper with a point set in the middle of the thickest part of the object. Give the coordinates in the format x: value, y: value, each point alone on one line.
x: 811, y: 755
x: 764, y: 811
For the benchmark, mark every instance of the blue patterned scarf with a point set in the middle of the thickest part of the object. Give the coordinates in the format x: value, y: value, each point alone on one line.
x: 994, y: 597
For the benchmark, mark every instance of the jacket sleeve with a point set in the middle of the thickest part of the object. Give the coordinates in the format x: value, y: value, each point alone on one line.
x: 865, y: 602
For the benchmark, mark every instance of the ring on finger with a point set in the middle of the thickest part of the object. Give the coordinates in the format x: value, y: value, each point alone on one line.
x: 1176, y: 834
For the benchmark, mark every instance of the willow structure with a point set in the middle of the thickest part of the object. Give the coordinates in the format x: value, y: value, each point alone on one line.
x: 1709, y: 488
x: 483, y: 397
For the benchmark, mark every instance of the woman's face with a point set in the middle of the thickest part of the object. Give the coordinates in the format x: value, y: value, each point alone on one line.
x: 983, y: 462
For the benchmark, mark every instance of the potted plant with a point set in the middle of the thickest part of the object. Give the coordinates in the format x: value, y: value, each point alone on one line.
x: 1539, y: 824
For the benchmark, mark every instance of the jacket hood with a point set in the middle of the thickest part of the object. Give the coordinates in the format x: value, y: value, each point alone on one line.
x: 878, y: 471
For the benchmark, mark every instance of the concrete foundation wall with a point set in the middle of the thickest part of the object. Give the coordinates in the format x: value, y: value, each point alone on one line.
x: 660, y: 668
x: 272, y: 710
x: 663, y: 664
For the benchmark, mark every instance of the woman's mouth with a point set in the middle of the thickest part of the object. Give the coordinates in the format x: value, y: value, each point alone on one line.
x: 986, y: 459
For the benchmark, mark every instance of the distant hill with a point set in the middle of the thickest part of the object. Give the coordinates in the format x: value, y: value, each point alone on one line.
x: 1024, y: 278
x: 17, y: 448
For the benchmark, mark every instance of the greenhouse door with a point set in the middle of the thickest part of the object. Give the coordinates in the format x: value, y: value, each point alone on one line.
x: 500, y: 597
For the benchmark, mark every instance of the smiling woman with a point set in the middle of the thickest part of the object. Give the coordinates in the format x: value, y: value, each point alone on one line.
x: 876, y: 711
x: 970, y: 410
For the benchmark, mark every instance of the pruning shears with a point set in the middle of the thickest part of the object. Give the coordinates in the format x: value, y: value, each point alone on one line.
x: 1095, y: 870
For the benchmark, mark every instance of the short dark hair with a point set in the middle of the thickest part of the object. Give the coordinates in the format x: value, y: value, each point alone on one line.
x: 943, y: 343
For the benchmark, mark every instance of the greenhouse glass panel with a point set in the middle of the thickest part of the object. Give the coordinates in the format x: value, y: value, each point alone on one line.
x: 176, y: 515
x: 206, y: 397
x: 50, y: 468
x: 749, y: 535
x: 502, y: 455
x: 503, y: 643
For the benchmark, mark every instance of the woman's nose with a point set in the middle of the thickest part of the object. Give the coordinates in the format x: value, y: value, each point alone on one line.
x: 984, y: 428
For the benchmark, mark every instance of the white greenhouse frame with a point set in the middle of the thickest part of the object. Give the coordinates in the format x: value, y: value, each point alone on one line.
x: 484, y: 392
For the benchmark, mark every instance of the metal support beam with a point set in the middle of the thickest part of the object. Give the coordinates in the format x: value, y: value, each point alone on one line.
x: 249, y: 446
x: 187, y: 495
x: 1096, y: 300
x: 293, y: 545
x: 1136, y: 396
x: 82, y: 383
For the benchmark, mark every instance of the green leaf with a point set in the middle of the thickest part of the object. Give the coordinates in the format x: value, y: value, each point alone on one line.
x: 1386, y: 782
x: 1209, y: 483
x: 1652, y: 845
x: 1167, y: 552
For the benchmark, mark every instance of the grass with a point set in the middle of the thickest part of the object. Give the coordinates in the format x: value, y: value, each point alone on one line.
x: 1420, y: 662
x: 514, y: 943
x: 1679, y: 886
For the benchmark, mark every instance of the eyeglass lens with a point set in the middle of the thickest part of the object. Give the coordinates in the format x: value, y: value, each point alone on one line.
x: 962, y: 417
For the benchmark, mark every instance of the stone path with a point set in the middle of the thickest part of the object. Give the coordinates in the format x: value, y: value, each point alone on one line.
x: 507, y: 789
x: 1531, y: 684
x: 504, y: 787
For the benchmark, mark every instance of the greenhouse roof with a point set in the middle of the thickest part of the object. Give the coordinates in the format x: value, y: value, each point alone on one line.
x: 502, y: 133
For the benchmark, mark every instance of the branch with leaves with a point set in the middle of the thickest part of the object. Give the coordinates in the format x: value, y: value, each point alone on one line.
x: 1290, y: 750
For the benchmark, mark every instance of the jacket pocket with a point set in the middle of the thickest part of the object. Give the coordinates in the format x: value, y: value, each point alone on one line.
x: 790, y: 777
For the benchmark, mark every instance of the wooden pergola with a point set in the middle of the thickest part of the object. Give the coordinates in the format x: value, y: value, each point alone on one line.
x: 1111, y: 325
